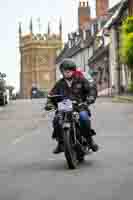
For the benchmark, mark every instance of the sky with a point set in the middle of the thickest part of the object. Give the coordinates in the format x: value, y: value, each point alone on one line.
x: 13, y: 11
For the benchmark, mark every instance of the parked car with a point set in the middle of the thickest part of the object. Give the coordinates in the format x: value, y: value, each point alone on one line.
x: 38, y: 93
x: 4, y: 97
x: 4, y: 93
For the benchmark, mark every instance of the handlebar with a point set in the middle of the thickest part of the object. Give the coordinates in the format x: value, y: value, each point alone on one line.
x: 54, y: 96
x: 61, y: 97
x: 83, y: 104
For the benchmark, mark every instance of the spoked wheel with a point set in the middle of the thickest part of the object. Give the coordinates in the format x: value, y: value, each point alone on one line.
x: 70, y: 152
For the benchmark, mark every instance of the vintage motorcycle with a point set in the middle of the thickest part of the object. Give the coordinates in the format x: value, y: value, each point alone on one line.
x: 75, y: 145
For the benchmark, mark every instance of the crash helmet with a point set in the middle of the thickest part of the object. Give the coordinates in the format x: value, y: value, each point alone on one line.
x: 67, y: 64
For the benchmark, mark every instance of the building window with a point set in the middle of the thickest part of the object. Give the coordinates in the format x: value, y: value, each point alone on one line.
x: 90, y: 52
x: 99, y: 25
x: 84, y: 35
x: 95, y: 28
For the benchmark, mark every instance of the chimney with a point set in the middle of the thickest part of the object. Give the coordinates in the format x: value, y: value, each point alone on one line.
x: 102, y: 7
x: 83, y: 14
x: 130, y: 7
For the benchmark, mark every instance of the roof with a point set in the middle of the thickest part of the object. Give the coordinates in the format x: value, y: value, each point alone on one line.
x: 117, y: 15
x: 114, y: 8
x: 98, y: 53
x: 69, y: 52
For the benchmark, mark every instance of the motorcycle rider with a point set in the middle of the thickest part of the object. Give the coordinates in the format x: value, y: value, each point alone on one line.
x: 74, y: 87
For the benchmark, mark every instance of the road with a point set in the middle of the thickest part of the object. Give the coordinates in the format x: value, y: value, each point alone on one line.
x: 29, y: 170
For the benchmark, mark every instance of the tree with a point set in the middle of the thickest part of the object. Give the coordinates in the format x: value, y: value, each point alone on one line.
x: 126, y: 49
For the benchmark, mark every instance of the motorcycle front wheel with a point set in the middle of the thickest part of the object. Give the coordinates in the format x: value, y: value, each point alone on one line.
x: 69, y: 151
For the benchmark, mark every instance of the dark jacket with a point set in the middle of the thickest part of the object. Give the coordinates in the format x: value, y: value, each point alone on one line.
x: 79, y: 90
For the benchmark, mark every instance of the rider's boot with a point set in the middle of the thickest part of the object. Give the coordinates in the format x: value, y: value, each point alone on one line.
x: 92, y: 132
x: 59, y: 148
x: 93, y: 145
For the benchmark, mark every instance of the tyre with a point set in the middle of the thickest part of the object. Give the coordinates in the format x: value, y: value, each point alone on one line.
x: 80, y: 158
x: 6, y: 102
x: 2, y: 102
x: 70, y: 153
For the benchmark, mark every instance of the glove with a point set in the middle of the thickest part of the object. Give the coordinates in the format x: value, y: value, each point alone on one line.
x: 49, y: 107
x: 90, y: 100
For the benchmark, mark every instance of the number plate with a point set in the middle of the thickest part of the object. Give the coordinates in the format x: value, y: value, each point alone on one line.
x: 34, y: 91
x: 65, y: 105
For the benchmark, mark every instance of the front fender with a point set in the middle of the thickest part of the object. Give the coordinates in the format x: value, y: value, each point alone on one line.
x: 66, y: 125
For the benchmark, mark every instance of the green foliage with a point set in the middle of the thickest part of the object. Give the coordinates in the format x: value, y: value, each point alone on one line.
x: 126, y: 49
x: 127, y: 26
x: 130, y: 87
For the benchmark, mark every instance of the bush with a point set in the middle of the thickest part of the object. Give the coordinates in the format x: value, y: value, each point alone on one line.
x: 126, y: 46
x: 126, y: 50
x: 127, y: 26
x: 130, y: 87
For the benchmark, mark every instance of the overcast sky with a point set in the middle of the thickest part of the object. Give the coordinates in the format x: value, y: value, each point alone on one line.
x: 13, y: 11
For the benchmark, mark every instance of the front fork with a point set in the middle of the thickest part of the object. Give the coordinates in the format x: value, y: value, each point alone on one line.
x: 72, y: 130
x: 65, y: 124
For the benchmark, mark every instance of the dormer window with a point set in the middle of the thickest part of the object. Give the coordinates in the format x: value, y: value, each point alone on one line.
x: 84, y: 35
x: 99, y: 25
x: 76, y: 39
x: 95, y: 27
x: 92, y: 29
x: 88, y: 34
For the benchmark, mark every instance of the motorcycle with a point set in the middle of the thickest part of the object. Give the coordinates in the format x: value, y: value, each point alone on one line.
x: 75, y: 145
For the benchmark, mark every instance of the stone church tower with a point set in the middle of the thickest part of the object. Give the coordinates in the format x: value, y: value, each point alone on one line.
x: 37, y: 59
x: 102, y: 7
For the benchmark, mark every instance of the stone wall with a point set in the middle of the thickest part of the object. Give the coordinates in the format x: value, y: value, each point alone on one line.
x: 38, y: 55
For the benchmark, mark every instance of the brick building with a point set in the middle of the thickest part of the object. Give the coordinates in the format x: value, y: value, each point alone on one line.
x: 130, y: 6
x: 84, y: 16
x: 102, y: 7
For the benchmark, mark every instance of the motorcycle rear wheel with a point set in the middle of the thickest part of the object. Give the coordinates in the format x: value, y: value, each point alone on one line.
x: 80, y: 158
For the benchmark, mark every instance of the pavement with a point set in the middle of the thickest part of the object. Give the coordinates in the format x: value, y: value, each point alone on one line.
x: 123, y: 98
x: 105, y: 92
x: 29, y: 170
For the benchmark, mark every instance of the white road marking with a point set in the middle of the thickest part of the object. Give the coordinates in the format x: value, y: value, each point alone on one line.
x: 18, y: 140
x: 52, y: 159
x: 21, y: 138
x: 57, y: 158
